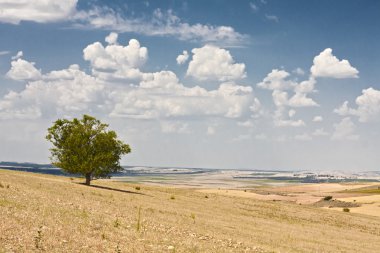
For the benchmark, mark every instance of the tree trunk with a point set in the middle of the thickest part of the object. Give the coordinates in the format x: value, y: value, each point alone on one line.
x: 88, y: 178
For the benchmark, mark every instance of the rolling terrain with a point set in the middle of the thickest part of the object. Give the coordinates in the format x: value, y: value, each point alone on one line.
x: 47, y: 213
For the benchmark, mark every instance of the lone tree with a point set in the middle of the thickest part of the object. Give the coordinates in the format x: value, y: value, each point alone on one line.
x: 85, y: 146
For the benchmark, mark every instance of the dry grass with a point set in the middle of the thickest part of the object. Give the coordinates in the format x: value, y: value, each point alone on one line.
x: 374, y: 189
x: 369, y: 204
x: 55, y: 214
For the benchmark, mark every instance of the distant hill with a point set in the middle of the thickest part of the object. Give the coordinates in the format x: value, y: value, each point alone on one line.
x: 25, y: 164
x: 33, y: 167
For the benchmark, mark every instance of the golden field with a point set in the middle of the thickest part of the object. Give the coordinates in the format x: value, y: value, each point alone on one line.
x: 43, y: 213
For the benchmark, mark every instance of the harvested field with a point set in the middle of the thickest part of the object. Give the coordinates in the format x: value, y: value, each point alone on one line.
x: 56, y: 214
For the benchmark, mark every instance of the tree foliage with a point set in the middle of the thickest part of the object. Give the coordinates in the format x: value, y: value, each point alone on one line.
x: 85, y: 146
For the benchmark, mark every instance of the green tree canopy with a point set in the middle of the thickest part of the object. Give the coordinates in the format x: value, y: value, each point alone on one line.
x: 85, y: 146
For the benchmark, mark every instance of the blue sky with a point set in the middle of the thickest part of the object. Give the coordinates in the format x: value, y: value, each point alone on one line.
x: 262, y: 84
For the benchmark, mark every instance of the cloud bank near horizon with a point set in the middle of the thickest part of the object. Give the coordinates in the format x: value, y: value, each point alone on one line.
x: 118, y: 86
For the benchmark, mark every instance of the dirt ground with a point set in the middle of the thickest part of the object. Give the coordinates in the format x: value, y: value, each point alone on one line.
x: 42, y: 213
x: 312, y: 193
x: 370, y: 204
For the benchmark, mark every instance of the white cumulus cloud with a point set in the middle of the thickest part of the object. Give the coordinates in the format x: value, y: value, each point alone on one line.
x: 327, y: 65
x: 182, y: 58
x: 15, y: 11
x: 280, y: 119
x: 19, y: 54
x: 116, y: 61
x: 368, y: 106
x: 301, y: 100
x: 56, y: 93
x: 164, y: 97
x: 276, y: 80
x: 344, y: 130
x: 108, y: 89
x: 214, y: 63
x: 343, y: 110
x: 112, y: 38
x: 23, y: 70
